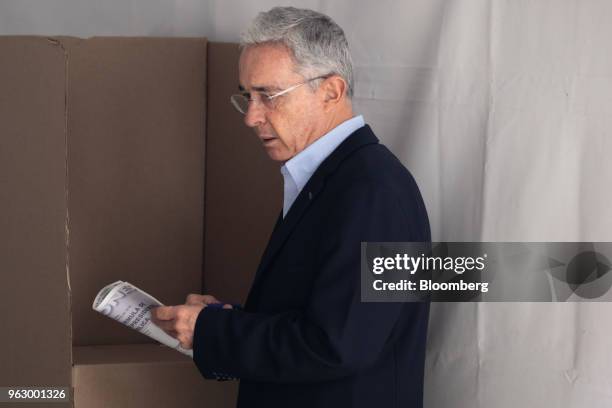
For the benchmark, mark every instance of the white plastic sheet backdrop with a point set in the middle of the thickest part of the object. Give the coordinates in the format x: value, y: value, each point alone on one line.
x: 502, y: 110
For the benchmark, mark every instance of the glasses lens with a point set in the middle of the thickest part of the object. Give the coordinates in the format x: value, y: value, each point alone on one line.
x: 240, y: 102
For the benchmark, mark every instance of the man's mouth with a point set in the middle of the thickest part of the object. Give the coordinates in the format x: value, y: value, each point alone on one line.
x: 267, y: 140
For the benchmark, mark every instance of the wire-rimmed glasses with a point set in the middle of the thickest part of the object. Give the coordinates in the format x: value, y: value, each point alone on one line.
x: 241, y: 101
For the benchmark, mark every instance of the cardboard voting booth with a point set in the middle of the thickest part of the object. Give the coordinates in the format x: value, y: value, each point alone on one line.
x: 122, y: 159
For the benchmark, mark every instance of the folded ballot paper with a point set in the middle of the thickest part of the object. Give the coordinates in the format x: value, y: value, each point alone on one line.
x: 131, y: 306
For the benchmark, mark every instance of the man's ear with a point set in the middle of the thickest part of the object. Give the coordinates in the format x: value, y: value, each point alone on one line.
x: 334, y: 89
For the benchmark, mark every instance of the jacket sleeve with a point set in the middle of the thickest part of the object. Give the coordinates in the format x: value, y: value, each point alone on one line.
x: 336, y: 335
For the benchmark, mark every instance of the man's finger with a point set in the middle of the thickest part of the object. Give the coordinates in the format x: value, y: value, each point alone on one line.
x: 185, y: 341
x: 169, y: 326
x: 196, y: 299
x: 163, y: 313
x: 172, y: 333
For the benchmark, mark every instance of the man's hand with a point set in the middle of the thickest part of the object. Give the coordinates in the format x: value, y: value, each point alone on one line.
x: 195, y: 299
x: 179, y: 321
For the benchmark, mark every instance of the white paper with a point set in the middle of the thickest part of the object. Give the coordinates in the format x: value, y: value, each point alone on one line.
x: 131, y: 307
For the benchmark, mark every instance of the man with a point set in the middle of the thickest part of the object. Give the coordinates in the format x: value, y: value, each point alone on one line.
x: 304, y: 338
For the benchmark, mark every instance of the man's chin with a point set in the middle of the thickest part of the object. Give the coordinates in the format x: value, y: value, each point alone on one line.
x: 278, y: 157
x: 277, y: 154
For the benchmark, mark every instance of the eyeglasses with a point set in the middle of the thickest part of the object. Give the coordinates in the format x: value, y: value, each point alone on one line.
x: 241, y: 101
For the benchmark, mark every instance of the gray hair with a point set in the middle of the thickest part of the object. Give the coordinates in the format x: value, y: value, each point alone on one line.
x: 317, y: 43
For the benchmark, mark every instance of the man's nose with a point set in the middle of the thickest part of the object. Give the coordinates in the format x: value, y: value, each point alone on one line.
x: 255, y: 114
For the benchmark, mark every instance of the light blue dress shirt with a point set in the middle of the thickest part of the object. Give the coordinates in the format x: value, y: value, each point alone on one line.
x: 298, y: 170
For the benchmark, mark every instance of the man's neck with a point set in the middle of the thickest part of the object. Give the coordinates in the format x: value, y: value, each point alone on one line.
x: 336, y: 118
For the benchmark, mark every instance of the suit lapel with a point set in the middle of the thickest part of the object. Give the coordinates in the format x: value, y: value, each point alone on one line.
x: 284, y: 227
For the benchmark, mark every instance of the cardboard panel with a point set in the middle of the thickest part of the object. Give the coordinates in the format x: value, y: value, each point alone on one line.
x: 243, y: 186
x: 149, y: 376
x: 136, y: 111
x: 35, y: 335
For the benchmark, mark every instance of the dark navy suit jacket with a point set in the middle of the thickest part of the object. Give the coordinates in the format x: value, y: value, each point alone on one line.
x: 304, y: 338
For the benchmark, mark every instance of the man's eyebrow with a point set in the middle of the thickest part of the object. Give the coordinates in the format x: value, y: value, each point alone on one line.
x: 259, y: 88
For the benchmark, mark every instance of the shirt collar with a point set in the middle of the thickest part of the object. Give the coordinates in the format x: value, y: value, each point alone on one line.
x: 301, y: 166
